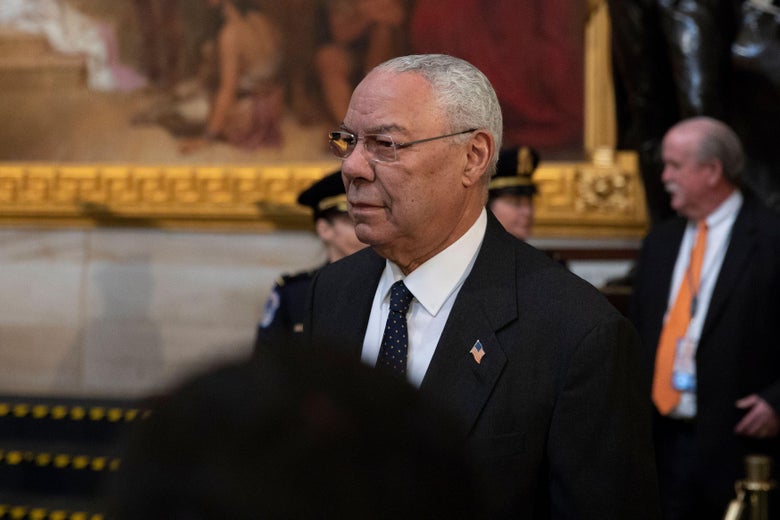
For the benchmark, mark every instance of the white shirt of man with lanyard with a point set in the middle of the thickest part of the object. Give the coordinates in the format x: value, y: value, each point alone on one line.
x: 719, y: 225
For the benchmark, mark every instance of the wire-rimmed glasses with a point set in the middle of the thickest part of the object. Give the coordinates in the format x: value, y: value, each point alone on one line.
x: 379, y: 147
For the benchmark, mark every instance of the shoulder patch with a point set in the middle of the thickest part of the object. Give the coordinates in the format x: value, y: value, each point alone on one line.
x: 271, y: 306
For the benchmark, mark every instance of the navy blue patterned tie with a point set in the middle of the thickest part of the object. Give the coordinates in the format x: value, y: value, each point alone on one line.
x: 395, y: 341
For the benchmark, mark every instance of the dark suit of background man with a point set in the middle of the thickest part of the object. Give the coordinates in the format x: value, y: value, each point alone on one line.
x: 539, y: 369
x: 731, y: 407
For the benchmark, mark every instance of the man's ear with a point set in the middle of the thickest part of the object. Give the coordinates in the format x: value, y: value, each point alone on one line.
x: 481, y: 148
x: 714, y: 171
x: 324, y: 230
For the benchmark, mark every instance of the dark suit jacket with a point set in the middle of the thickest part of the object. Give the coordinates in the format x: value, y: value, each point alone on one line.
x: 554, y: 411
x: 739, y: 348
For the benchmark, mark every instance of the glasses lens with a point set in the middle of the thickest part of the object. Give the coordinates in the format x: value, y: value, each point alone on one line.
x: 380, y: 147
x: 341, y: 143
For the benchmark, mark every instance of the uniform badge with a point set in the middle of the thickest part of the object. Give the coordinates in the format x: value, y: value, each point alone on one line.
x: 271, y: 306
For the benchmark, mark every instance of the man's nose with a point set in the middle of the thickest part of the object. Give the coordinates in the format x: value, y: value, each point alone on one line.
x: 666, y: 173
x: 357, y: 165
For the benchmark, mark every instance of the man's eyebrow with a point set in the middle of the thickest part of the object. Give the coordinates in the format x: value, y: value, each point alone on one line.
x: 382, y: 129
x: 389, y: 128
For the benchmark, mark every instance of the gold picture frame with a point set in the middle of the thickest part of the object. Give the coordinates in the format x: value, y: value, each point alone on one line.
x: 600, y: 196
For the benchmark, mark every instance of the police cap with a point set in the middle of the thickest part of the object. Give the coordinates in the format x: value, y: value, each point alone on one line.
x: 326, y: 196
x: 514, y: 172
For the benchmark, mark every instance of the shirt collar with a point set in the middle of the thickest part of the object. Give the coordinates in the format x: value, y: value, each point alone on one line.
x: 433, y: 281
x: 727, y: 209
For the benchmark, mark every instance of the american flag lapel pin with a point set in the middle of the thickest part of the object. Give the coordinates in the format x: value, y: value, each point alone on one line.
x: 478, y: 351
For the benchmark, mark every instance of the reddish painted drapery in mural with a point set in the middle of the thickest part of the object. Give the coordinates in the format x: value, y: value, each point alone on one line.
x: 532, y: 52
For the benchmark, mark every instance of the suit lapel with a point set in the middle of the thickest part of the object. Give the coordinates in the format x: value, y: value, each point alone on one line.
x: 486, y: 302
x: 359, y: 303
x: 735, y: 262
x: 661, y: 265
x: 341, y: 318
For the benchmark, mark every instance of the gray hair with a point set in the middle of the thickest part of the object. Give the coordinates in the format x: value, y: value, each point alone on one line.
x: 461, y: 90
x: 719, y: 141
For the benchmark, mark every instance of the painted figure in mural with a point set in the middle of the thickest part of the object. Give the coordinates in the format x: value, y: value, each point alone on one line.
x: 237, y: 96
x: 359, y: 34
x: 247, y: 108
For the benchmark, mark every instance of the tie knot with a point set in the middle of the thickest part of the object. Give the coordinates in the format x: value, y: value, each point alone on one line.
x: 400, y: 297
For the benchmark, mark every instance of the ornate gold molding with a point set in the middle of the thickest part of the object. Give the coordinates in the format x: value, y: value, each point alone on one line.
x: 600, y: 126
x: 231, y: 197
x: 599, y: 198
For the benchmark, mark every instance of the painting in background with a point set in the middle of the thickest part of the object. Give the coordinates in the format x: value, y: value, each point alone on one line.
x: 140, y: 81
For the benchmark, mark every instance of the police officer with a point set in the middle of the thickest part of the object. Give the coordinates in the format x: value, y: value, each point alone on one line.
x: 285, y: 307
x: 511, y: 191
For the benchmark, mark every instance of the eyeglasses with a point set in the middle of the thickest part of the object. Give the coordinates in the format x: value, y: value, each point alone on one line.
x: 380, y: 147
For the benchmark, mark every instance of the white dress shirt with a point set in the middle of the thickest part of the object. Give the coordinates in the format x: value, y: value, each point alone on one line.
x: 435, y: 285
x: 719, y: 224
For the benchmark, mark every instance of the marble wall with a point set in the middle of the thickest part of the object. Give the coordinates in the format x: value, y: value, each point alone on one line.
x: 122, y: 312
x: 125, y: 312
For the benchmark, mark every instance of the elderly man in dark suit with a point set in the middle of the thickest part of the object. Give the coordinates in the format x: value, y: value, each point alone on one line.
x: 710, y: 322
x: 539, y: 369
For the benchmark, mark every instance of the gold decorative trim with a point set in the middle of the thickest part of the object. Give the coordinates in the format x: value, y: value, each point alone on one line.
x: 600, y: 127
x: 599, y: 198
x: 240, y: 197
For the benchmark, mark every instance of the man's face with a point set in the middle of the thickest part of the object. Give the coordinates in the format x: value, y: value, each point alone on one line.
x: 411, y: 208
x: 686, y: 178
x: 515, y: 212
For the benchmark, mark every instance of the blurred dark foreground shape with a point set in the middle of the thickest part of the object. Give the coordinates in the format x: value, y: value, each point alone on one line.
x: 296, y: 435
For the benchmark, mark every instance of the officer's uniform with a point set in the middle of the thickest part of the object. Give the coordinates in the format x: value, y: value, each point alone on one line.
x: 285, y: 308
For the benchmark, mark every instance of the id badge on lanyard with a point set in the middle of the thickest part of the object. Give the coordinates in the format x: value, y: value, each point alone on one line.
x: 684, y: 369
